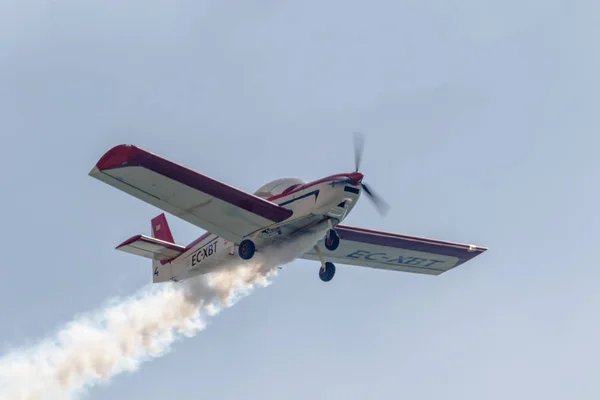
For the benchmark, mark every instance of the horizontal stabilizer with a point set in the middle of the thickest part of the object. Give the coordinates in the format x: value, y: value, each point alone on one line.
x: 149, y: 247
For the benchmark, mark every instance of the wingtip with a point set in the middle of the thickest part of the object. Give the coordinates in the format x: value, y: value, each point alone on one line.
x: 475, y: 248
x: 94, y: 171
x: 117, y: 156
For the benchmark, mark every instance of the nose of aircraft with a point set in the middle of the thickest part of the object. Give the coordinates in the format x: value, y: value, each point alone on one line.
x: 356, y: 178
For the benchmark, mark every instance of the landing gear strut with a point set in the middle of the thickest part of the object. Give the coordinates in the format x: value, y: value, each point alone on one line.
x: 327, y: 270
x: 332, y: 241
x: 247, y: 249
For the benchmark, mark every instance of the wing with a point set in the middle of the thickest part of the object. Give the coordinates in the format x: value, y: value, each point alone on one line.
x: 209, y: 204
x: 383, y: 250
x: 148, y: 247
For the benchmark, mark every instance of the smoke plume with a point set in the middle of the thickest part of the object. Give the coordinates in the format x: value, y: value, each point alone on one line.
x: 92, y: 349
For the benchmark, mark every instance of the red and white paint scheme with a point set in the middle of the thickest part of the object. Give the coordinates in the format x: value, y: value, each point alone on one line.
x: 239, y: 223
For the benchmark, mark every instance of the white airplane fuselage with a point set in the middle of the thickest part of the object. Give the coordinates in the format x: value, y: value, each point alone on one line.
x: 325, y: 201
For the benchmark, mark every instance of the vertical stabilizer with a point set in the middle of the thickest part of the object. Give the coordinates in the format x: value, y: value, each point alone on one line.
x: 160, y: 230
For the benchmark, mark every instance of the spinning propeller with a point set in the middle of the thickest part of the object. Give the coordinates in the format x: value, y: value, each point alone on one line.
x: 380, y: 204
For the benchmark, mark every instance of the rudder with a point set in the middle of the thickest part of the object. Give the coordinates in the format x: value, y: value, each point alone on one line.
x: 160, y: 228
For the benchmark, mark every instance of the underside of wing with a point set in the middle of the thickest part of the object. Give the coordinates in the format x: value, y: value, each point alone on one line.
x: 396, y: 252
x: 149, y: 247
x: 209, y: 204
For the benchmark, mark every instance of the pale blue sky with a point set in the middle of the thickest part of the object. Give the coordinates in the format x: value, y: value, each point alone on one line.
x: 480, y: 127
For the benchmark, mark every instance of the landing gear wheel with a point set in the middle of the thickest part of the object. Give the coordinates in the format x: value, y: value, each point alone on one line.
x: 332, y: 241
x: 327, y: 272
x: 247, y: 249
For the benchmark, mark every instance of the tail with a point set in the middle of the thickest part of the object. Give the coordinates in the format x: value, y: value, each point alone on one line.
x: 160, y: 248
x: 160, y: 230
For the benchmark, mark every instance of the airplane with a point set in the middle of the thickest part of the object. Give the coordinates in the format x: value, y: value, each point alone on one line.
x: 239, y: 223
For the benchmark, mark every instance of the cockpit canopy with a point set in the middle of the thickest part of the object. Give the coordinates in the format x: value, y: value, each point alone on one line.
x: 278, y: 186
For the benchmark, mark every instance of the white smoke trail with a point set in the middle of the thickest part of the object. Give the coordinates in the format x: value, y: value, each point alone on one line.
x: 94, y: 348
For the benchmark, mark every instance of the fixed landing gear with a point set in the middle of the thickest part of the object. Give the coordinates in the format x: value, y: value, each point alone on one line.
x: 332, y: 241
x: 327, y: 270
x: 246, y: 249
